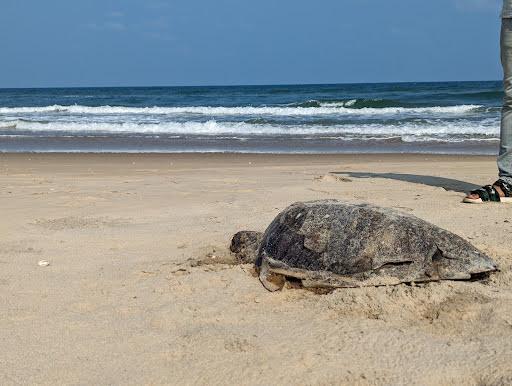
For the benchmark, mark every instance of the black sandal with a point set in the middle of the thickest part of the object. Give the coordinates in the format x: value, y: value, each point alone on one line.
x: 488, y: 193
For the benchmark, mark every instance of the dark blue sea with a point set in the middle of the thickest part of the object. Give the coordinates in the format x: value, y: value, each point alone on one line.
x: 450, y: 117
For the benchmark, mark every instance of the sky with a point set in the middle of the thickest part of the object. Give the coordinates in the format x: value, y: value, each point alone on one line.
x: 75, y: 43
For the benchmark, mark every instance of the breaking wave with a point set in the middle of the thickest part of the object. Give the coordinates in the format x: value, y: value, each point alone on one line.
x: 349, y: 107
x: 444, y: 130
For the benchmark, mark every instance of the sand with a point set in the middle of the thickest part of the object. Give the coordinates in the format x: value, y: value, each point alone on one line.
x: 137, y: 291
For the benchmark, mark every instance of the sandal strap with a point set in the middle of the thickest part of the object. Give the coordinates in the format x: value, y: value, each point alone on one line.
x: 487, y: 193
x: 493, y: 193
x: 507, y: 188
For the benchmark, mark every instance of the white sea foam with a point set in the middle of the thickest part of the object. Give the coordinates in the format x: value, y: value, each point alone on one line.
x: 326, y: 109
x: 348, y: 103
x: 422, y: 123
x: 439, y: 130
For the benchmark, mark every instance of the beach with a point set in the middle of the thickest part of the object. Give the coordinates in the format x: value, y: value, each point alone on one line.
x: 141, y: 287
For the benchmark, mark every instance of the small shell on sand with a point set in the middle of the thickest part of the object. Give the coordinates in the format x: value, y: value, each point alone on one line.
x: 43, y: 263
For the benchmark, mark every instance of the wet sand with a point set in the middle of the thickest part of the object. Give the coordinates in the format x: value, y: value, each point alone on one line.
x: 137, y: 291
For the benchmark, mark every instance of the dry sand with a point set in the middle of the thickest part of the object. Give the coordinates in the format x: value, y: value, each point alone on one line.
x: 128, y: 299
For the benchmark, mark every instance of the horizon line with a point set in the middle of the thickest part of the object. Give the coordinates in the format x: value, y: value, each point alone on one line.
x: 251, y: 85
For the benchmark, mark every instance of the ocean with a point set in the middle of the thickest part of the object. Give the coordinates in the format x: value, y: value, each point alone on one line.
x: 442, y: 117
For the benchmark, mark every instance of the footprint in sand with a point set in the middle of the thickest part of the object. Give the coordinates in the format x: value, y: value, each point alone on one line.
x: 72, y: 222
x: 18, y: 248
x: 332, y: 178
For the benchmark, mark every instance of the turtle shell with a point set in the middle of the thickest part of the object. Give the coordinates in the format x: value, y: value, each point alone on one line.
x: 330, y: 243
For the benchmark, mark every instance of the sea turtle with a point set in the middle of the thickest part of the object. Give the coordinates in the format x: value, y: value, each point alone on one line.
x: 332, y: 244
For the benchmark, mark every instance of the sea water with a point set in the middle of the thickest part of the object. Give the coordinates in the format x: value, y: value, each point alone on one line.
x: 448, y: 117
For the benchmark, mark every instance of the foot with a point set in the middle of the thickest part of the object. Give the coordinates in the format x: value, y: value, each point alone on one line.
x: 476, y: 196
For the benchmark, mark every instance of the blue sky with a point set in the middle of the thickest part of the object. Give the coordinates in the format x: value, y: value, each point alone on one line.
x: 55, y: 43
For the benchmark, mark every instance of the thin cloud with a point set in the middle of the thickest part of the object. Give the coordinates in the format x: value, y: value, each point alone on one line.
x: 478, y: 5
x: 156, y: 4
x: 113, y: 22
x: 116, y: 14
x: 107, y: 26
x: 116, y: 26
x: 161, y: 36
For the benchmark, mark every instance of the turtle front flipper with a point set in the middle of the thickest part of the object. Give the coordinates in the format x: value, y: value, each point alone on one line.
x: 271, y: 281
